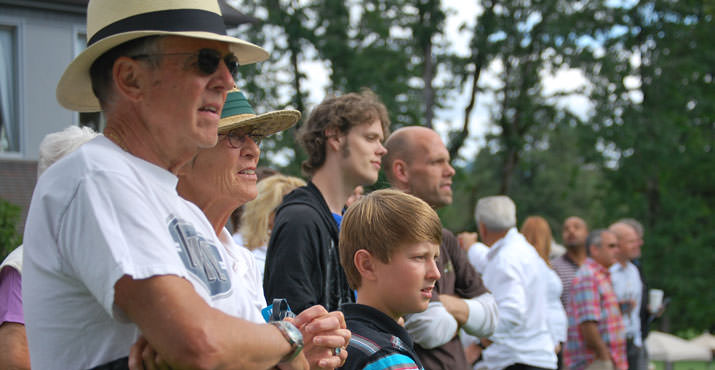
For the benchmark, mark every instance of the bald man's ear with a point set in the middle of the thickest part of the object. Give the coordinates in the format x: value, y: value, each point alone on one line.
x: 399, y: 171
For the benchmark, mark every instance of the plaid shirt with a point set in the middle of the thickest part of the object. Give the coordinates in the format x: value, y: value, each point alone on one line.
x: 592, y: 299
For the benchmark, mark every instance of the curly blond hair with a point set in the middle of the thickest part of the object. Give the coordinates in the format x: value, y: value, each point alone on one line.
x: 256, y: 213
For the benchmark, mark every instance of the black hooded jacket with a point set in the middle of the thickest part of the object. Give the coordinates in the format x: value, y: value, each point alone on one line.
x: 303, y: 263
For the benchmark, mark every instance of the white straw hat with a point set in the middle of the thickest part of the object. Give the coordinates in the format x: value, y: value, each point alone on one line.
x: 113, y: 22
x: 237, y: 112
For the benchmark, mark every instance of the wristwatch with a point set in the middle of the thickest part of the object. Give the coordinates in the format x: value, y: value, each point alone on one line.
x: 292, y: 335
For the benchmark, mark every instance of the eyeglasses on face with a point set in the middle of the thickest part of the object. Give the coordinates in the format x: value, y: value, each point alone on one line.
x: 237, y: 137
x: 207, y: 60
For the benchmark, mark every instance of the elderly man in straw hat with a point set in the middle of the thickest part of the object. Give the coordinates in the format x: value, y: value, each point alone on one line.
x: 112, y: 251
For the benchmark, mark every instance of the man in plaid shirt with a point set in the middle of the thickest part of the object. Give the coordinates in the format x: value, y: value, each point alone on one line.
x: 596, y: 335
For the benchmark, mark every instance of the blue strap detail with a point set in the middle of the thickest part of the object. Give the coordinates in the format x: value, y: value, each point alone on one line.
x: 392, y: 362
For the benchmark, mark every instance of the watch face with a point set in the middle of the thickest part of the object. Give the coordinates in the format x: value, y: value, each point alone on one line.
x: 295, y: 334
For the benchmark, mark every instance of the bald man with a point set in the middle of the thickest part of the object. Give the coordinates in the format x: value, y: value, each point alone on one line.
x: 417, y: 162
x: 628, y: 287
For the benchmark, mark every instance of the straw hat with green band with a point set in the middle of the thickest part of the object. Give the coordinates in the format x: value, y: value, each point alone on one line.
x: 114, y: 22
x: 237, y: 112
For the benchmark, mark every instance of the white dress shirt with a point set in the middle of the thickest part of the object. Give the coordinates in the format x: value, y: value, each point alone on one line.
x: 477, y: 255
x: 515, y: 274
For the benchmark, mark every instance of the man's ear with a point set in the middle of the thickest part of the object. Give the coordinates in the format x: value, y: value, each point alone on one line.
x: 365, y: 265
x: 334, y: 139
x: 399, y: 170
x: 127, y: 77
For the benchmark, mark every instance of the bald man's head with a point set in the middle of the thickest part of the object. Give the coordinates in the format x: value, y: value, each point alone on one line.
x: 574, y: 233
x: 417, y: 162
x: 628, y: 241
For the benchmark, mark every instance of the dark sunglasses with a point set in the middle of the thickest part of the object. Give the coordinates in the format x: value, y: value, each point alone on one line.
x: 207, y: 60
x: 237, y: 137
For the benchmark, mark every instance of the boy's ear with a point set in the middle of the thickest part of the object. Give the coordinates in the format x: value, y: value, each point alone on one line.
x: 363, y: 261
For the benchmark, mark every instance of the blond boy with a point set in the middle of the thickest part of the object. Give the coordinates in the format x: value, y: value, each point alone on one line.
x: 389, y: 243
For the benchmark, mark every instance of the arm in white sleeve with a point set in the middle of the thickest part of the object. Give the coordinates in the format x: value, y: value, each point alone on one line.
x: 483, y: 315
x: 432, y: 327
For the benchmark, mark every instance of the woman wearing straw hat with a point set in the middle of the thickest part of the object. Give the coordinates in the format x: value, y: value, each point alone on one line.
x: 111, y: 250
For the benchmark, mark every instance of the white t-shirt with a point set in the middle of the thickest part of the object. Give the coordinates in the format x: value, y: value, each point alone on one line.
x: 97, y: 215
x: 259, y: 255
x: 515, y: 274
x: 247, y: 280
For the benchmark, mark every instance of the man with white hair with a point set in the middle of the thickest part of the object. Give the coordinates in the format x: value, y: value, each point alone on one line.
x: 628, y: 286
x: 514, y: 274
x: 12, y: 322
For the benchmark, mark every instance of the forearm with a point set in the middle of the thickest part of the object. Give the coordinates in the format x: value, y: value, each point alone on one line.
x: 593, y: 340
x: 13, y: 341
x: 432, y: 327
x: 457, y: 307
x: 188, y: 333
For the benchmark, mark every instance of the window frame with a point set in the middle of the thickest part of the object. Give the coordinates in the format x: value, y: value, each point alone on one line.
x: 17, y: 25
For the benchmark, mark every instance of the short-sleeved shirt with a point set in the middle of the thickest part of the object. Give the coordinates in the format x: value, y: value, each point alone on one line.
x: 96, y: 215
x: 593, y: 299
x: 10, y: 296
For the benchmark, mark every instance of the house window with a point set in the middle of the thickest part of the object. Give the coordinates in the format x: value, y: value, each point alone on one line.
x: 95, y: 120
x: 9, y: 125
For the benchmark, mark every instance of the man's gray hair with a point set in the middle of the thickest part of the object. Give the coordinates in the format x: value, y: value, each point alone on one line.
x: 497, y: 213
x: 58, y: 144
x: 632, y: 222
x: 594, y: 238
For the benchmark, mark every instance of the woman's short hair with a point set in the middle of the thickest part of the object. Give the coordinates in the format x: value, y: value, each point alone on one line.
x: 256, y: 213
x: 58, y: 144
x: 340, y: 114
x: 537, y: 232
x: 381, y: 222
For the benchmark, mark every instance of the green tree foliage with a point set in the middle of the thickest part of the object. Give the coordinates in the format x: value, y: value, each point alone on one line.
x: 656, y: 122
x: 524, y: 40
x: 9, y: 217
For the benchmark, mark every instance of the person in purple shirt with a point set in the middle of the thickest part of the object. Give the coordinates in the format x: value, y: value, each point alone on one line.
x: 13, y: 340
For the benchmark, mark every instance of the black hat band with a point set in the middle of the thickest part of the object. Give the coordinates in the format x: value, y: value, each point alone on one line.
x: 173, y: 20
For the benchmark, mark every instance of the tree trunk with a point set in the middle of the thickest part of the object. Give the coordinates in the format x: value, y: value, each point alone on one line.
x: 428, y: 76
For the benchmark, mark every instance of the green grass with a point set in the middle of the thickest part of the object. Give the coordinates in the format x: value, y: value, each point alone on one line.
x: 685, y: 365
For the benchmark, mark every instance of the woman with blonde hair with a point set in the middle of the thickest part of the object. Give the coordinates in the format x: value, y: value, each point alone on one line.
x: 258, y: 214
x: 538, y: 233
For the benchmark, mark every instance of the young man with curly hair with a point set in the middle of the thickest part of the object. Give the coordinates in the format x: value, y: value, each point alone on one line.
x: 343, y: 139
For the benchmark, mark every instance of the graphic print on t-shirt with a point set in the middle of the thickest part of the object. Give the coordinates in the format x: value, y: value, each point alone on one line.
x: 200, y: 256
